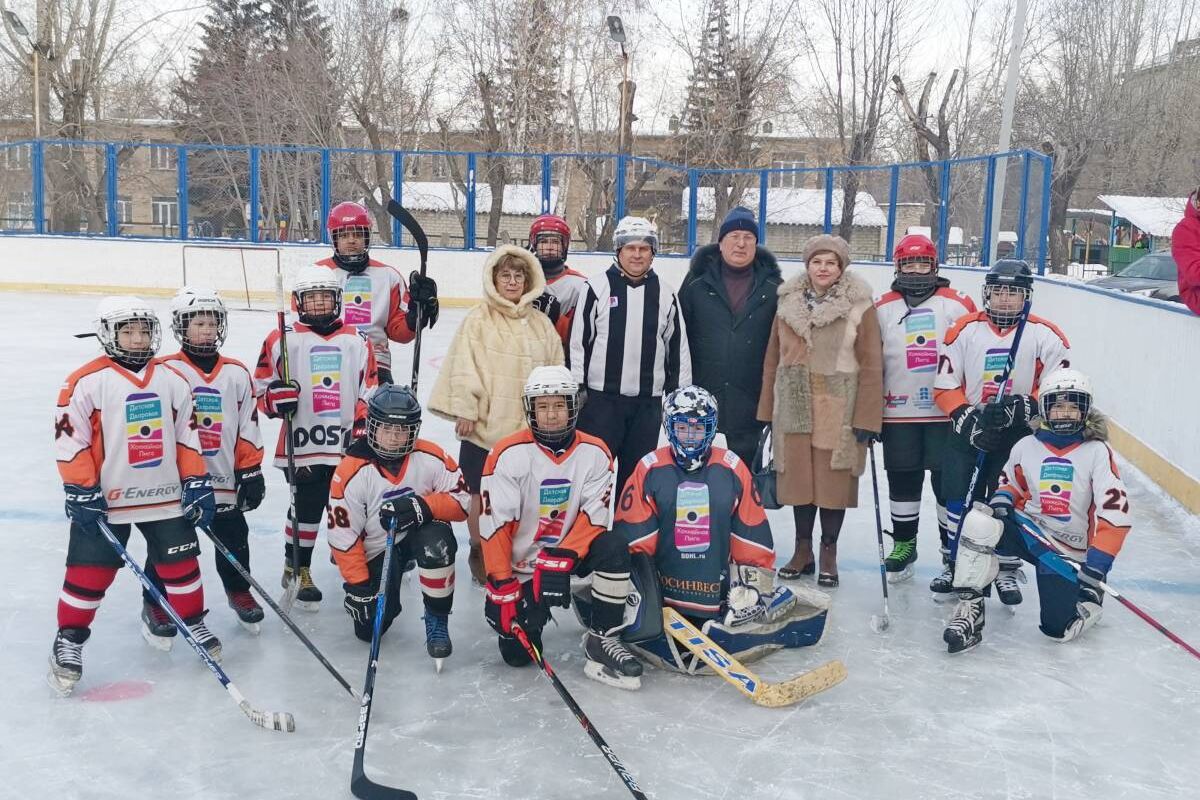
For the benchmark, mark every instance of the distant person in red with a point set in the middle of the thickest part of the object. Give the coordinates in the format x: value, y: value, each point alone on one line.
x: 1185, y: 247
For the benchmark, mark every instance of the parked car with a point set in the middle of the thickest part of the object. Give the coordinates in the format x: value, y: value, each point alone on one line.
x: 1153, y: 275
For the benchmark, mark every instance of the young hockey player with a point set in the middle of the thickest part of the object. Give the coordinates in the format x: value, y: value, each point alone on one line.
x: 227, y: 424
x: 128, y: 454
x: 1064, y: 478
x: 913, y: 318
x: 391, y: 475
x: 332, y: 370
x: 692, y: 509
x: 549, y: 241
x: 546, y: 491
x: 377, y: 301
x: 970, y: 363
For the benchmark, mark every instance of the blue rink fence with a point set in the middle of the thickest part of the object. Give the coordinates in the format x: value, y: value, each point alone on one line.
x: 270, y: 194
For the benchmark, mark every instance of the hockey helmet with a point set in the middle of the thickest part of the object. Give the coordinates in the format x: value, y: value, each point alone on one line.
x: 393, y: 409
x: 919, y: 249
x: 353, y: 218
x: 692, y: 410
x: 549, y: 226
x: 551, y: 382
x: 1065, y: 385
x: 1011, y: 277
x: 190, y: 302
x: 313, y: 279
x: 635, y: 229
x: 113, y: 314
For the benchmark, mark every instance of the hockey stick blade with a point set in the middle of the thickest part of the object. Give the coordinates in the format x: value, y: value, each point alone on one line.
x: 364, y: 788
x: 402, y: 215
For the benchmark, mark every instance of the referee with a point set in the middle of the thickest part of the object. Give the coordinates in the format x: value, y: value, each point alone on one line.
x: 628, y: 348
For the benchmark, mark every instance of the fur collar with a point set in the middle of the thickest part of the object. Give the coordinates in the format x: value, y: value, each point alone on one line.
x: 802, y: 313
x: 1094, y: 429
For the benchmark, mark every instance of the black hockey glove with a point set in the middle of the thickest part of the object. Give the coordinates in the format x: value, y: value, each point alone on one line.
x: 863, y: 436
x: 199, y: 502
x: 282, y: 398
x: 422, y: 295
x: 251, y: 488
x: 549, y: 305
x: 1008, y: 413
x: 1089, y: 586
x: 966, y: 422
x: 85, y: 506
x: 552, y: 576
x: 409, y: 513
x: 360, y: 601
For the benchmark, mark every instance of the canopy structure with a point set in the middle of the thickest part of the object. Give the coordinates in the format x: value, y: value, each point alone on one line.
x: 1156, y: 216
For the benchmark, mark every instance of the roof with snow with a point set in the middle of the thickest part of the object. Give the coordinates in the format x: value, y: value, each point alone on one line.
x: 520, y: 199
x: 795, y: 206
x: 1156, y: 216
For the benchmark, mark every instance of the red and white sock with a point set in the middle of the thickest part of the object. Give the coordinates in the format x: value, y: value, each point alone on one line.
x: 82, y: 591
x: 185, y: 590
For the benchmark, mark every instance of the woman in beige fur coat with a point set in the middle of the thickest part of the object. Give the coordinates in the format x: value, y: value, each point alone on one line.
x: 482, y: 379
x: 823, y: 395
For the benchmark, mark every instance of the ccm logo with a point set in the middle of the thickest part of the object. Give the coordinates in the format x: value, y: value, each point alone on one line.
x: 182, y: 548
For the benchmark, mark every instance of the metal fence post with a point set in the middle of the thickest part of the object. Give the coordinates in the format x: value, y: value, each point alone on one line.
x: 619, y: 190
x: 989, y: 209
x: 944, y: 213
x: 1023, y: 208
x: 693, y: 204
x: 112, y: 227
x: 893, y: 196
x: 1044, y: 230
x: 38, y: 165
x: 326, y: 193
x: 182, y: 171
x: 763, y: 183
x: 469, y: 233
x: 252, y: 217
x: 828, y: 225
x: 547, y: 168
x: 397, y: 195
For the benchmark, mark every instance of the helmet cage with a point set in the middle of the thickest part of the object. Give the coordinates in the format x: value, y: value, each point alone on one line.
x: 1005, y: 319
x: 377, y: 421
x: 109, y: 326
x: 691, y: 455
x: 558, y: 438
x: 318, y: 320
x: 1065, y: 427
x: 916, y: 283
x: 180, y: 321
x: 351, y: 260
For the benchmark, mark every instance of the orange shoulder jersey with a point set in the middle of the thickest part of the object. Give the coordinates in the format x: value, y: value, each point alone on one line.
x: 911, y: 336
x: 226, y: 420
x: 974, y: 353
x: 1075, y: 494
x: 336, y: 372
x: 361, y: 485
x: 533, y: 498
x: 566, y: 286
x: 131, y: 434
x: 693, y: 524
x: 375, y: 301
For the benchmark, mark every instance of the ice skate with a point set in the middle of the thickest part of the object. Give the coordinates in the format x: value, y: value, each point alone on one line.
x: 965, y: 630
x: 249, y: 612
x: 157, y: 627
x: 608, y: 661
x: 437, y: 638
x: 66, y: 659
x: 899, y: 563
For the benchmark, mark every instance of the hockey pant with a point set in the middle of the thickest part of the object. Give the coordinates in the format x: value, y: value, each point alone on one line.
x: 910, y: 449
x: 1058, y: 586
x: 231, y: 530
x: 433, y: 548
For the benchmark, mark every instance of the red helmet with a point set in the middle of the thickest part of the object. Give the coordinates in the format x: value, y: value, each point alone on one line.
x: 550, y: 223
x: 345, y: 217
x: 914, y: 245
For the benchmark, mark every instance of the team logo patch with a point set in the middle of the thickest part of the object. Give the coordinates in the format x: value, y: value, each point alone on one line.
x: 144, y: 430
x: 994, y: 362
x: 208, y: 413
x: 895, y: 400
x: 325, y: 364
x: 356, y: 295
x: 1055, y: 481
x: 924, y: 398
x: 920, y: 340
x: 554, y: 496
x: 692, y: 518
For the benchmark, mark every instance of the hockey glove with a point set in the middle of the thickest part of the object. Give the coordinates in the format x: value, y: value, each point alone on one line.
x: 549, y: 305
x: 199, y: 502
x: 251, y: 488
x: 359, y: 429
x: 422, y: 295
x: 85, y: 506
x: 502, y: 603
x: 282, y: 398
x: 1089, y: 586
x: 552, y: 576
x: 409, y: 513
x: 1011, y: 412
x: 863, y: 436
x: 966, y: 422
x: 360, y: 602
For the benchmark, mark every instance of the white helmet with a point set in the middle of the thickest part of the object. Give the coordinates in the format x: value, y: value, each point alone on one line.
x: 187, y: 303
x: 1070, y: 385
x: 635, y: 229
x: 317, y: 279
x: 552, y: 382
x: 112, y: 314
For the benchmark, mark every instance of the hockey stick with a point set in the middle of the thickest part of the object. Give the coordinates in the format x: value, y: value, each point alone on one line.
x: 287, y: 620
x: 271, y: 720
x: 293, y: 588
x: 616, y: 763
x: 1029, y: 527
x: 770, y: 695
x: 879, y: 623
x: 360, y: 785
x: 401, y: 214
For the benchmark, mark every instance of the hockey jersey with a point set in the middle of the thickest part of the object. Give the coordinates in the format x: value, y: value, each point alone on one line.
x: 375, y: 301
x: 336, y: 373
x: 226, y: 420
x: 130, y: 433
x: 533, y: 498
x: 975, y: 352
x: 911, y: 336
x: 1075, y: 494
x: 566, y: 286
x: 693, y: 524
x: 361, y: 485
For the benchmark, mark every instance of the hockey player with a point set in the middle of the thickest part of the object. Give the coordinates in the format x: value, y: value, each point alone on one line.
x: 332, y: 371
x: 692, y: 509
x: 549, y: 241
x: 227, y: 423
x: 128, y: 454
x: 1064, y: 478
x: 970, y: 363
x: 377, y: 301
x: 546, y: 491
x: 391, y: 475
x: 913, y: 318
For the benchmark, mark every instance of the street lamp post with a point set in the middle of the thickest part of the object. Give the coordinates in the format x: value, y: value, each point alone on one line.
x: 1006, y: 117
x: 616, y: 32
x: 19, y: 28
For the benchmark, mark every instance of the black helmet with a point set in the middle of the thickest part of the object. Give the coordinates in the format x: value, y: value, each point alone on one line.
x: 393, y: 405
x: 1013, y: 275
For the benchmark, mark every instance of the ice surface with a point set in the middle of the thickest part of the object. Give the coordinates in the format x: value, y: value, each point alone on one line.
x: 1115, y: 715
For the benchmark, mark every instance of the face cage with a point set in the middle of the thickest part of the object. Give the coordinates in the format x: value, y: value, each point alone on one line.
x: 543, y: 235
x: 324, y: 319
x: 1065, y: 427
x: 179, y: 326
x: 373, y: 425
x: 691, y: 457
x: 357, y: 258
x: 1004, y: 319
x: 108, y: 339
x: 557, y: 438
x: 916, y: 283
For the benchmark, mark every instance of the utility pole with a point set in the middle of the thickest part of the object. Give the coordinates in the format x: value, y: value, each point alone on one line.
x: 1006, y: 116
x: 616, y: 32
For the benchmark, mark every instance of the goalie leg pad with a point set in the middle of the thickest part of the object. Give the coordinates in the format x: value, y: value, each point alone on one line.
x: 976, y: 564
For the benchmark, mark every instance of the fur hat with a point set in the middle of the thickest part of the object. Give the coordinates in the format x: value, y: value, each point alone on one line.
x: 824, y: 243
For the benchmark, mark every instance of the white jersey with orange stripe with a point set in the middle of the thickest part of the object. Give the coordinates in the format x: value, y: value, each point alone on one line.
x: 375, y: 301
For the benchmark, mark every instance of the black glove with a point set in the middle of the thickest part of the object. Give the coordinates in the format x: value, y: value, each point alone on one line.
x: 360, y: 601
x: 282, y: 398
x: 422, y: 296
x: 409, y: 511
x: 1089, y: 586
x: 1010, y: 412
x: 199, y: 502
x: 549, y: 305
x: 552, y: 576
x: 966, y: 422
x: 85, y: 506
x: 251, y: 488
x: 863, y: 436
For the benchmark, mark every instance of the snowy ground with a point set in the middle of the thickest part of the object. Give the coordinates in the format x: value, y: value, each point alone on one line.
x: 1112, y: 716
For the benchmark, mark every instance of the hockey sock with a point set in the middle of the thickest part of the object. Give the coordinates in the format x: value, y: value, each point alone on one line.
x: 904, y: 494
x: 185, y: 590
x: 609, y: 590
x: 306, y: 549
x: 83, y: 589
x: 437, y: 587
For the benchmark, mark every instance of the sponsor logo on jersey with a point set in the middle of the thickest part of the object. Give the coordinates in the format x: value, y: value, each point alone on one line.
x: 144, y: 430
x: 554, y: 496
x: 208, y: 413
x: 994, y: 362
x: 356, y: 296
x: 325, y: 364
x: 692, y: 518
x: 895, y: 400
x: 1055, y: 481
x: 920, y: 340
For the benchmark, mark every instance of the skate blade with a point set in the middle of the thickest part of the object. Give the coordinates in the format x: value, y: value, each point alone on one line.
x: 62, y: 686
x: 254, y: 628
x: 215, y: 654
x: 437, y: 664
x: 311, y: 606
x: 901, y: 576
x: 160, y: 643
x: 944, y: 597
x: 600, y: 673
x: 966, y: 649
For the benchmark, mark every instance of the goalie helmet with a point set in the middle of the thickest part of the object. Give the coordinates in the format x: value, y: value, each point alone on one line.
x: 692, y: 406
x: 313, y: 279
x: 350, y: 218
x: 552, y: 382
x: 915, y: 248
x: 550, y: 226
x: 1069, y: 385
x: 635, y: 229
x: 1010, y: 275
x: 392, y: 407
x: 189, y: 303
x: 113, y: 314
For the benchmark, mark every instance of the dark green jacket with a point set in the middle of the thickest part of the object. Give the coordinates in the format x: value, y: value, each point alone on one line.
x: 727, y: 351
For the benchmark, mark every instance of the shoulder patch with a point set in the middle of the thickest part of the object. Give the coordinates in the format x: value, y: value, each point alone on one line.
x: 731, y: 458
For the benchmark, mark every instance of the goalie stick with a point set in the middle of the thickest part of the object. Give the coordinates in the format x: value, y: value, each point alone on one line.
x: 401, y: 214
x: 770, y: 695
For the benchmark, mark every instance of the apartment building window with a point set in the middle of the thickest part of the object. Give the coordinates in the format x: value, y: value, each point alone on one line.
x: 441, y: 168
x: 17, y: 158
x: 165, y: 211
x: 124, y: 209
x: 18, y: 211
x: 163, y: 157
x: 788, y: 180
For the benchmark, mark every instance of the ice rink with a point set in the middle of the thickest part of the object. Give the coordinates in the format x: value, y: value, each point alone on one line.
x: 1115, y: 715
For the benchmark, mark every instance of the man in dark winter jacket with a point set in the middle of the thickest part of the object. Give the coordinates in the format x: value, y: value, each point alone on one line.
x: 729, y: 296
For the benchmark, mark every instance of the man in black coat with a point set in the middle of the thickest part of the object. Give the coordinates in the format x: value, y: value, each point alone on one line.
x: 728, y: 300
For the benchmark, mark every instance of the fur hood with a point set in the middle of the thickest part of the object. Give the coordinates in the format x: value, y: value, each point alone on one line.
x: 802, y: 312
x: 1095, y: 429
x: 535, y: 280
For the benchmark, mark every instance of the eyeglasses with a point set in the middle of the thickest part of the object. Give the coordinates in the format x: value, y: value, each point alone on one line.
x: 510, y: 277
